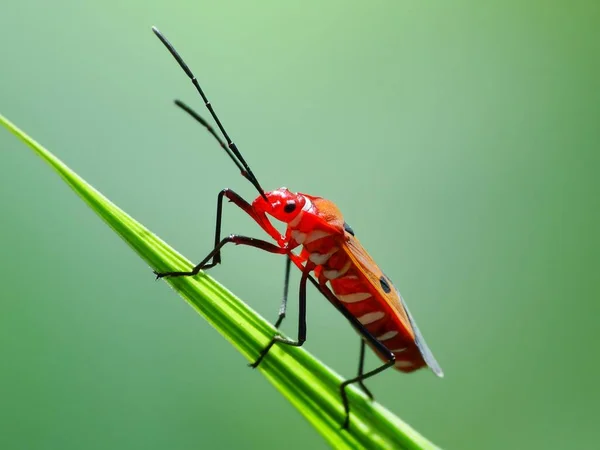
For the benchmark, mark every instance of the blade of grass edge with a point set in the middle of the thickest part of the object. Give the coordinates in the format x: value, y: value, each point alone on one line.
x: 307, y: 383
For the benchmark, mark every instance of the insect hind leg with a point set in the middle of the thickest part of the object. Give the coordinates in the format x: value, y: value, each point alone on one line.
x: 367, y: 338
x: 361, y: 364
x: 359, y: 379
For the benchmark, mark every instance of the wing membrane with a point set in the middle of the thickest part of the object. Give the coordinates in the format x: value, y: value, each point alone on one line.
x: 371, y: 271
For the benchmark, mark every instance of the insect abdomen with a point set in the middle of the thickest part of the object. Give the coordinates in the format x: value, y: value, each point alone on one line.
x: 364, y: 303
x: 322, y: 245
x: 378, y: 319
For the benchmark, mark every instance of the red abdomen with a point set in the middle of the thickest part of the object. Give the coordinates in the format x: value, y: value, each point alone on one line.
x: 364, y: 301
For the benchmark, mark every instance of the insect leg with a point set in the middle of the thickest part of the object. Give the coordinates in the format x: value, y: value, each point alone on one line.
x: 238, y: 201
x: 286, y: 285
x: 242, y: 204
x: 361, y: 367
x: 360, y: 378
x: 233, y: 238
x: 301, y: 322
x: 368, y: 338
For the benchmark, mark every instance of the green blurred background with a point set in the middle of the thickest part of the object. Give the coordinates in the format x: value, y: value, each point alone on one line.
x: 459, y: 138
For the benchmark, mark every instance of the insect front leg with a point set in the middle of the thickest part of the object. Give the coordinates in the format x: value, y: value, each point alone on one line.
x: 301, y: 321
x: 214, y: 257
x: 233, y: 238
x: 242, y: 204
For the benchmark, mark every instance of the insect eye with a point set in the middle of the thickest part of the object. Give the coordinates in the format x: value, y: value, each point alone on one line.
x: 290, y: 206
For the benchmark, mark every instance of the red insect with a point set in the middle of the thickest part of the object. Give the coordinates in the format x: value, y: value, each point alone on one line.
x: 343, y: 271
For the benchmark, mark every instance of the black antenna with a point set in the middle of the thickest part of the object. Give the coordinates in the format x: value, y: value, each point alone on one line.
x: 230, y: 148
x: 210, y: 129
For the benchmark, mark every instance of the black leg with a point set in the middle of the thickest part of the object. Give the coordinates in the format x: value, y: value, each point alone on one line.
x: 236, y: 239
x: 239, y: 201
x: 301, y: 322
x: 359, y: 379
x: 215, y: 255
x: 361, y: 364
x: 286, y: 285
x: 367, y: 336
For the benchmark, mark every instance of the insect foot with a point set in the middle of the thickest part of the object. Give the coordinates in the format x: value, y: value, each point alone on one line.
x: 159, y: 275
x: 264, y: 352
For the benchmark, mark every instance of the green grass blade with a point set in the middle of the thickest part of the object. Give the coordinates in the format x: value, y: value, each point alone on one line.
x: 307, y: 383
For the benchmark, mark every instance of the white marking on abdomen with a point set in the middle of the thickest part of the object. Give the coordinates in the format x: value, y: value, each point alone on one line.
x: 321, y: 258
x: 333, y: 274
x: 316, y: 234
x: 403, y: 364
x: 353, y: 298
x: 298, y: 236
x: 399, y: 350
x: 386, y: 336
x: 371, y: 317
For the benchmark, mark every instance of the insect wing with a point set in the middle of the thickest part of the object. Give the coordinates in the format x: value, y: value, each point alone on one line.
x: 420, y: 341
x: 363, y: 261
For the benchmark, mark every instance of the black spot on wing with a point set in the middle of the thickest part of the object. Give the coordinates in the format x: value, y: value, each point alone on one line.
x: 385, y: 285
x: 348, y: 228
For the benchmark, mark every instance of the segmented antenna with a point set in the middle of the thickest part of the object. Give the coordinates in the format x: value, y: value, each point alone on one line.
x: 210, y: 129
x: 230, y: 148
